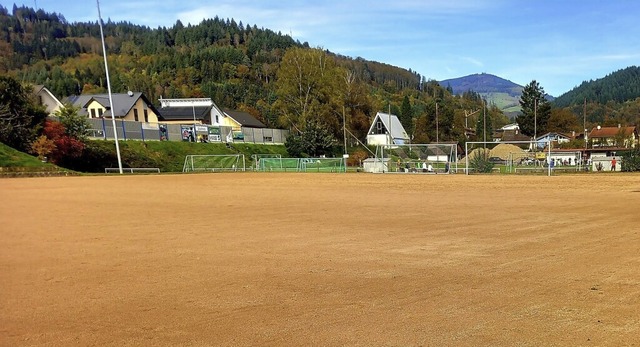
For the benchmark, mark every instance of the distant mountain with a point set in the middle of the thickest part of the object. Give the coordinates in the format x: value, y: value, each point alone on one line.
x: 483, y: 84
x: 496, y: 90
x: 620, y: 86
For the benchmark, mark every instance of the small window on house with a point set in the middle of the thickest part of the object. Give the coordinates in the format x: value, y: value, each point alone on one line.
x: 135, y: 114
x: 379, y: 127
x: 100, y: 111
x: 217, y: 119
x: 93, y: 113
x: 146, y: 116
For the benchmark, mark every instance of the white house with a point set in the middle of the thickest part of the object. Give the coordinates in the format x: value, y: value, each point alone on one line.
x: 386, y: 129
x: 512, y: 126
x: 542, y: 141
x: 46, y: 99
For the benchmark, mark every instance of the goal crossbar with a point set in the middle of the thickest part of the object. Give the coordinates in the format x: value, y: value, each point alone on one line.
x: 413, y: 157
x: 214, y: 162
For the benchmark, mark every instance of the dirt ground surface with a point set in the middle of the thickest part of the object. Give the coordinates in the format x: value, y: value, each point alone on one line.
x: 254, y: 259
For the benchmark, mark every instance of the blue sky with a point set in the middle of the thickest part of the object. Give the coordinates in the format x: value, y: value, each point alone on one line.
x: 559, y: 43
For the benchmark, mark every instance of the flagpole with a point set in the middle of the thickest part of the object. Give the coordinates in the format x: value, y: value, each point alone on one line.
x: 106, y: 70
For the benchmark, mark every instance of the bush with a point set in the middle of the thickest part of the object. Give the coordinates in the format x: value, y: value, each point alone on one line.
x: 631, y: 160
x: 480, y: 162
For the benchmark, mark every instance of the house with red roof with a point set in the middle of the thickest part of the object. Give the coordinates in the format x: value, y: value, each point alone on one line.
x: 614, y: 137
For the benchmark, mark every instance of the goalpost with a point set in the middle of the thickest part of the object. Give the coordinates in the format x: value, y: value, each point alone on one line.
x: 512, y: 159
x: 441, y: 157
x: 277, y: 164
x: 323, y: 165
x: 214, y: 162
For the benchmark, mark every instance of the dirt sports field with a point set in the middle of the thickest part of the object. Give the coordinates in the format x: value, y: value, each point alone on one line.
x: 320, y: 260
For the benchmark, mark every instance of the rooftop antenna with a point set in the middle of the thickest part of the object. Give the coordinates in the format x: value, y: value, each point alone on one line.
x: 106, y: 70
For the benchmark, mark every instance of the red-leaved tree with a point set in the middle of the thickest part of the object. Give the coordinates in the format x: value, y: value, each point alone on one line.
x: 66, y: 147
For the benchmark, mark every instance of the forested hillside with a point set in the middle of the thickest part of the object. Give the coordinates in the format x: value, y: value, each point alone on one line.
x: 238, y: 65
x: 619, y: 86
x: 611, y: 100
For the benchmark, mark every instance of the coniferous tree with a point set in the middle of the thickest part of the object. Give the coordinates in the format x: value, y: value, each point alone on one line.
x: 536, y: 110
x: 406, y: 114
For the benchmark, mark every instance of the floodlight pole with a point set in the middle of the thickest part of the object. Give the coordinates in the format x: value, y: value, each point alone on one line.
x: 106, y: 70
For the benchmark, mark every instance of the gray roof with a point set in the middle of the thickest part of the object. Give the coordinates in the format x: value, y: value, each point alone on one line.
x: 245, y: 119
x: 186, y: 113
x: 122, y: 102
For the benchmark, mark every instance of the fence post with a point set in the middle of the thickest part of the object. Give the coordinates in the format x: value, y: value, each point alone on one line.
x: 142, y: 131
x: 124, y: 132
x: 104, y: 130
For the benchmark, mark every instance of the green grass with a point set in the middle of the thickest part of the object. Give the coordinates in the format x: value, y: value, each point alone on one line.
x: 11, y: 158
x: 169, y: 156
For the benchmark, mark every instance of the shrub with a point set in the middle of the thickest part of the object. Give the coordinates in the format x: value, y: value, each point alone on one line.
x: 631, y: 160
x: 480, y: 162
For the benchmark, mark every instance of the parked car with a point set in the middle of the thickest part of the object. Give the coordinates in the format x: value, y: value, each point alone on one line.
x: 498, y: 160
x: 527, y: 161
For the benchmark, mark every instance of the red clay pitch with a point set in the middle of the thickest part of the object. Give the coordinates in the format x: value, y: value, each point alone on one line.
x: 320, y: 259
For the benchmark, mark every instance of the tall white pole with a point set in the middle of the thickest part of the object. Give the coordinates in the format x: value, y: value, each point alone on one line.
x: 390, y: 122
x: 106, y: 70
x: 549, y: 164
x: 344, y: 130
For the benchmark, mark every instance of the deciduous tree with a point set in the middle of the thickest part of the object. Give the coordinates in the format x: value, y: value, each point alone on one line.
x: 20, y: 117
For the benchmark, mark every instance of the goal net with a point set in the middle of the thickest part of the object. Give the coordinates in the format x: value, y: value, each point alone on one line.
x: 278, y: 164
x: 213, y: 163
x: 441, y: 157
x: 323, y: 165
x: 302, y: 164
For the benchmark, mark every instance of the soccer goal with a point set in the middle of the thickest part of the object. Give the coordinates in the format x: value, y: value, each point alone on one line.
x: 214, y: 163
x: 256, y: 158
x: 278, y: 164
x: 508, y: 156
x: 302, y: 164
x: 433, y: 157
x: 323, y: 165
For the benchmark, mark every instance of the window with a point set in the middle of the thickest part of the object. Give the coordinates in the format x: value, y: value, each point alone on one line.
x: 379, y: 127
x: 135, y: 114
x: 93, y: 113
x: 146, y: 116
x: 100, y: 111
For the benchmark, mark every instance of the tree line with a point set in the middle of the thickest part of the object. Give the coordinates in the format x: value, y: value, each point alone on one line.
x: 281, y: 81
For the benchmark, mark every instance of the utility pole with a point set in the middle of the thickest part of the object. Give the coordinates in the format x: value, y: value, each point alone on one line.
x: 584, y: 122
x: 535, y: 119
x: 437, y: 132
x: 466, y: 118
x: 484, y: 131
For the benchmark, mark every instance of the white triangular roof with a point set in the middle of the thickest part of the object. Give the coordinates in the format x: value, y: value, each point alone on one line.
x: 392, y: 124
